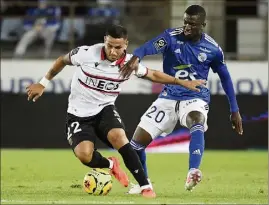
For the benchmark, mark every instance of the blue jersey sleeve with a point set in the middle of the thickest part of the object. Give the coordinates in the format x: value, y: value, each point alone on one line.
x: 219, y: 67
x: 154, y: 46
x: 218, y: 63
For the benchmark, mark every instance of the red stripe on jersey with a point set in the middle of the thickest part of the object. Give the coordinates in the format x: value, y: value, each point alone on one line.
x: 103, y: 78
x: 119, y: 62
x: 102, y: 91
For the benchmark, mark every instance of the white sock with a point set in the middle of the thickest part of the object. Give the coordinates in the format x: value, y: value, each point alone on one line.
x: 111, y: 163
x: 145, y: 187
x: 150, y: 184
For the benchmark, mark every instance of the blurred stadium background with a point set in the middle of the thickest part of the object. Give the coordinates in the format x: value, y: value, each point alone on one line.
x: 239, y: 26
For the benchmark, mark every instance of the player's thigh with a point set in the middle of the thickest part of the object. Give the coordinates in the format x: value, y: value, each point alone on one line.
x: 160, y: 117
x: 110, y: 127
x: 187, y: 106
x: 80, y: 130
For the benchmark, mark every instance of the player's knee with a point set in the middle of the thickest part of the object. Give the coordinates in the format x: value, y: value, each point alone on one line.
x: 84, y: 155
x: 117, y: 138
x: 141, y: 137
x: 195, y: 117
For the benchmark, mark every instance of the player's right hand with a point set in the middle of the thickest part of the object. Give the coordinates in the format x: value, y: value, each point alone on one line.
x: 129, y: 67
x: 237, y: 122
x: 34, y: 91
x: 193, y: 84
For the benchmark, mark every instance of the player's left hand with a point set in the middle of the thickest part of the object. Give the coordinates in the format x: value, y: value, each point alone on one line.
x: 237, y: 122
x: 193, y: 84
x: 129, y: 67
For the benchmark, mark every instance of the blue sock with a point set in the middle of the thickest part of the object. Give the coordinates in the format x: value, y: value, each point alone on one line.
x: 143, y: 158
x: 140, y: 150
x: 196, y: 147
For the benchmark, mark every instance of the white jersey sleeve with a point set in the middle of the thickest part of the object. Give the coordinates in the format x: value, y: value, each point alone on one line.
x: 142, y: 71
x: 78, y: 55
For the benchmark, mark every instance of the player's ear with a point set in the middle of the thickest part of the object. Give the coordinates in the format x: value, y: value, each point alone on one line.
x: 104, y: 39
x: 204, y: 24
x: 127, y: 43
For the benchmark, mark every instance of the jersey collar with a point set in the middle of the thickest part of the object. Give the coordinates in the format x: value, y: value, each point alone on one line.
x: 118, y: 62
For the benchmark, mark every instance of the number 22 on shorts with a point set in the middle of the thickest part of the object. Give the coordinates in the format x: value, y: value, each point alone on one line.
x: 72, y: 129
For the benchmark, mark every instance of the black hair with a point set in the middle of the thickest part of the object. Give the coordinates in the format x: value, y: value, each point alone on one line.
x: 196, y: 10
x: 117, y: 31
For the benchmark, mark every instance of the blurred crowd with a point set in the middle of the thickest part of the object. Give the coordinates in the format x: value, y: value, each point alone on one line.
x: 31, y: 28
x: 45, y: 20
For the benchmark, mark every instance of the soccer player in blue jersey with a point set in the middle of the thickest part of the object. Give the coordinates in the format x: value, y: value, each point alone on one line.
x: 188, y: 53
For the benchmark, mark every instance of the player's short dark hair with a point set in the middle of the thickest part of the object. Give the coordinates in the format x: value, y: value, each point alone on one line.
x: 196, y: 10
x: 117, y: 31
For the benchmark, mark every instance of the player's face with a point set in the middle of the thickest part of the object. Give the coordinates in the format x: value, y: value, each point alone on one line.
x: 115, y: 47
x: 193, y: 26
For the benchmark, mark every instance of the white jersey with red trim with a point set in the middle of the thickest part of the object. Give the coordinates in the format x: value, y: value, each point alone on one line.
x: 96, y: 81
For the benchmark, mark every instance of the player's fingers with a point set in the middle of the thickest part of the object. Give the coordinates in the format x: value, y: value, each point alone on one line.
x: 203, y: 85
x: 202, y: 81
x: 122, y: 73
x: 129, y: 72
x: 196, y: 89
x: 236, y: 128
x: 30, y: 96
x: 240, y: 127
x: 199, y: 83
x: 126, y: 73
x: 233, y: 125
x: 36, y: 97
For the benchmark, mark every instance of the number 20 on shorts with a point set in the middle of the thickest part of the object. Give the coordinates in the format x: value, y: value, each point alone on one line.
x: 156, y: 114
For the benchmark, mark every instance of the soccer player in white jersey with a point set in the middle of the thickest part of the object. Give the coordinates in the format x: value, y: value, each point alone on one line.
x: 91, y: 111
x: 188, y: 53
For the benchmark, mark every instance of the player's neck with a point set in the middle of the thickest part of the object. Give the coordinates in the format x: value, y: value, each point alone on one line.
x: 196, y: 39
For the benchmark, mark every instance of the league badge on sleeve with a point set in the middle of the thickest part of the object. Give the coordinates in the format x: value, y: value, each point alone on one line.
x: 74, y: 51
x: 160, y: 43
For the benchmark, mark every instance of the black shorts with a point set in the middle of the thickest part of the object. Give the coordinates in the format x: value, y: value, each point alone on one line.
x: 80, y: 129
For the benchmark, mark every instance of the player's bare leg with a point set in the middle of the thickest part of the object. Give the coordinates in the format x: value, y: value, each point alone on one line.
x: 85, y: 152
x: 141, y: 139
x: 195, y: 122
x: 118, y: 139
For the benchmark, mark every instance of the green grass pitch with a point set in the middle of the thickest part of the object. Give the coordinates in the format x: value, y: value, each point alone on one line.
x: 55, y: 176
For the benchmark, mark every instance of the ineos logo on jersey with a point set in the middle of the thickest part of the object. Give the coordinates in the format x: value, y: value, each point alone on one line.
x: 101, y: 84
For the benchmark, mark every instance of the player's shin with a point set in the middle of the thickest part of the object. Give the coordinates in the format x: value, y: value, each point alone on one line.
x: 196, y: 147
x: 132, y: 162
x: 98, y: 161
x: 140, y: 150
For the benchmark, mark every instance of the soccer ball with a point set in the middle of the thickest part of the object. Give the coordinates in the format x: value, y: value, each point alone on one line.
x: 97, y: 182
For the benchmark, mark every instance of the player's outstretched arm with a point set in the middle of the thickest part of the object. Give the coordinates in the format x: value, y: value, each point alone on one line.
x: 34, y: 91
x: 157, y: 45
x: 160, y: 77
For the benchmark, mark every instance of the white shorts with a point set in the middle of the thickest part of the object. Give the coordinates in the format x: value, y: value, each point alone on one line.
x: 163, y: 115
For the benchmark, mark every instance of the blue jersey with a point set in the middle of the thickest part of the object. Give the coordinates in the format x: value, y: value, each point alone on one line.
x: 184, y: 60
